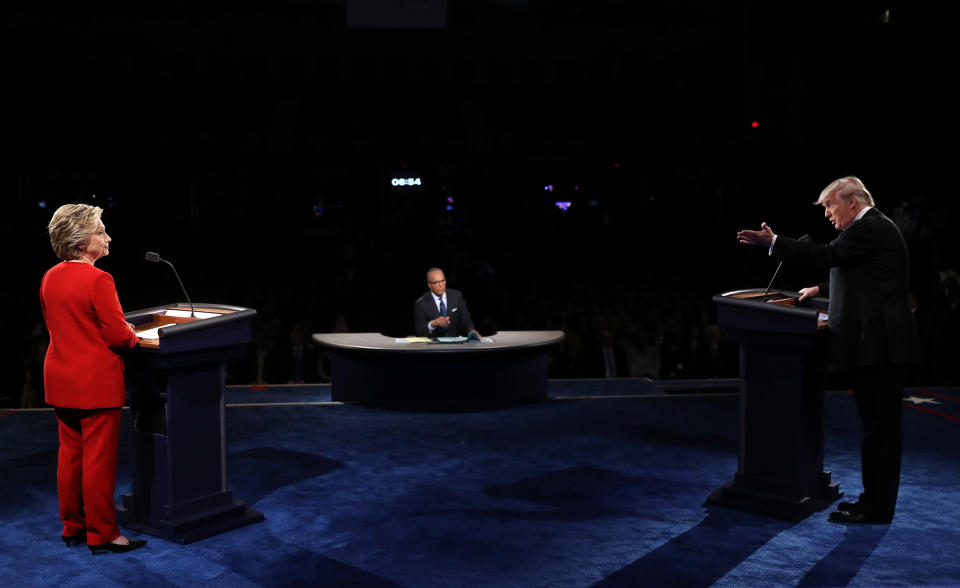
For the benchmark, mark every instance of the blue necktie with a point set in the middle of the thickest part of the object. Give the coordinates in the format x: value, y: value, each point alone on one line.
x: 443, y: 307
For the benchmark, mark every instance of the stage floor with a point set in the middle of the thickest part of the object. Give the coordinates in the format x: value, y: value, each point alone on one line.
x: 603, y: 484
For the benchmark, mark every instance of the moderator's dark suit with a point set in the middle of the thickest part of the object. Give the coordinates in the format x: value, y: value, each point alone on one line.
x: 873, y: 337
x: 425, y: 310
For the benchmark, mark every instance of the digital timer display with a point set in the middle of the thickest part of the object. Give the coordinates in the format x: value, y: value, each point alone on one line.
x: 403, y: 182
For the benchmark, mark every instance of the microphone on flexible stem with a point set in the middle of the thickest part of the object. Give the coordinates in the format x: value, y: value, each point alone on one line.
x: 767, y: 291
x: 802, y: 239
x: 155, y: 258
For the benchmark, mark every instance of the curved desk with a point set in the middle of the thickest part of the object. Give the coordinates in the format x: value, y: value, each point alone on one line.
x: 370, y: 368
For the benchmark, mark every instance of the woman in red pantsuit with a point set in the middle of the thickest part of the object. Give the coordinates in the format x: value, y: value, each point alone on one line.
x: 83, y: 377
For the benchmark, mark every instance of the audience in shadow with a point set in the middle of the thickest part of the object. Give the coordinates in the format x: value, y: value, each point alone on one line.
x: 629, y: 308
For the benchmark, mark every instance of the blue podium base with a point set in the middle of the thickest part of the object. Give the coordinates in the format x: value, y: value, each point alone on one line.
x: 188, y: 528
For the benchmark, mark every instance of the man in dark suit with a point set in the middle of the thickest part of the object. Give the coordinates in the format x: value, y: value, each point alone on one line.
x: 873, y: 336
x: 441, y: 312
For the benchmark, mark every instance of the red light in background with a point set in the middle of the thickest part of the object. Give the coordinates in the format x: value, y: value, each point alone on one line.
x: 755, y: 124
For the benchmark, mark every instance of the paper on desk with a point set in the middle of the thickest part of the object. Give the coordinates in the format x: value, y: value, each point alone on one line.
x: 440, y: 340
x: 186, y: 313
x: 153, y: 333
x: 823, y: 316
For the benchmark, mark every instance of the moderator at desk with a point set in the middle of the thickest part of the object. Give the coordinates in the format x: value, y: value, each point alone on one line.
x: 506, y: 369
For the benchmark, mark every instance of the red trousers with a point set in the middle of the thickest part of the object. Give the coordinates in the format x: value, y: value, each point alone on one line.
x: 87, y: 472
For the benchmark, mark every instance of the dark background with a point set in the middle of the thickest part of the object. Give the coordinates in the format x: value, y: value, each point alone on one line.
x: 253, y: 144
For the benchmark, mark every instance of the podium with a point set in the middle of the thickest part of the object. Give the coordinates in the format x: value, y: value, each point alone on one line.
x: 782, y: 369
x: 179, y: 459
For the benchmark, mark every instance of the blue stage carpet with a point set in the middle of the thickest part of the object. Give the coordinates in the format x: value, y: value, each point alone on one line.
x: 601, y: 485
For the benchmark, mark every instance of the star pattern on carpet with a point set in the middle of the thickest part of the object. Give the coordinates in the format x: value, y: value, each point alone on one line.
x: 920, y: 400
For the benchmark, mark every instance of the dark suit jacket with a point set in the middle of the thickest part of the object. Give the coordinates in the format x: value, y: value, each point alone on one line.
x: 869, y: 310
x: 425, y: 310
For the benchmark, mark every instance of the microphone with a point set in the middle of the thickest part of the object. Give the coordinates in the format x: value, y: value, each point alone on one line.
x: 155, y: 258
x: 802, y: 239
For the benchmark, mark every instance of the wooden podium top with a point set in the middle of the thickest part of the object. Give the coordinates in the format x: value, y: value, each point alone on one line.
x: 161, y: 318
x: 781, y: 298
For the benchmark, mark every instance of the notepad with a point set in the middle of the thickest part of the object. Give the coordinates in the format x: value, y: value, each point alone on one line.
x: 186, y: 314
x: 150, y: 334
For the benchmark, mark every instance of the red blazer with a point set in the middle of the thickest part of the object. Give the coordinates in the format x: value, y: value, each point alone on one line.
x: 83, y: 368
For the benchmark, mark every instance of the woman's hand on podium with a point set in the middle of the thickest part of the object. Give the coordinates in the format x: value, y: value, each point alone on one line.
x: 807, y: 293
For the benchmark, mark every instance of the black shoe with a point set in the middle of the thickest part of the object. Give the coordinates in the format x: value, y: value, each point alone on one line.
x: 115, y: 548
x: 852, y: 506
x: 71, y: 540
x: 858, y: 516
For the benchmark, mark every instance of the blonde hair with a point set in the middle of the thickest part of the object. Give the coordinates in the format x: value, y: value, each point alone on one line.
x: 847, y: 188
x: 71, y: 227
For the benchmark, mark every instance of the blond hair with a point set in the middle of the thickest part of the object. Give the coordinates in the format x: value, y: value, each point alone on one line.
x: 71, y: 227
x: 845, y: 189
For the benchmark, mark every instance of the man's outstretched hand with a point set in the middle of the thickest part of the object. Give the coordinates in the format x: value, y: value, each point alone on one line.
x: 762, y: 237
